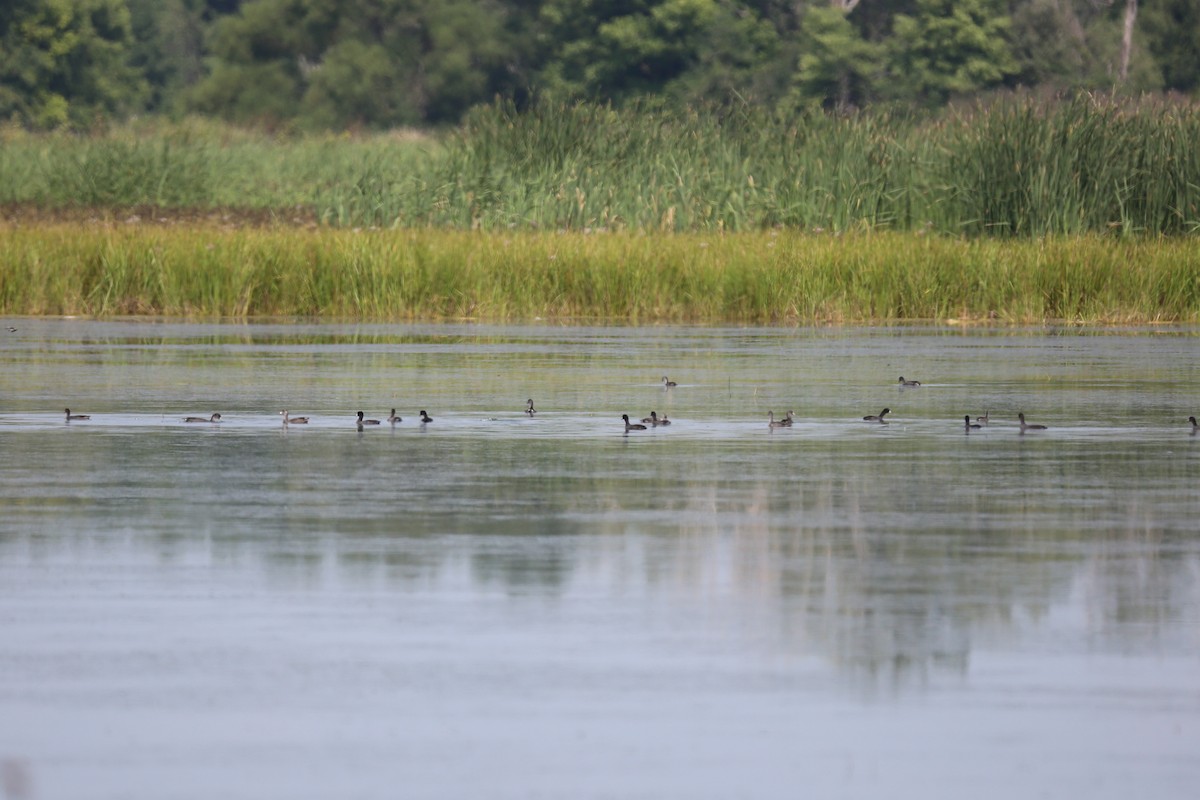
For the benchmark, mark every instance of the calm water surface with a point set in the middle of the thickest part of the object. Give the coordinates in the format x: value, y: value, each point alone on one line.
x: 495, y: 606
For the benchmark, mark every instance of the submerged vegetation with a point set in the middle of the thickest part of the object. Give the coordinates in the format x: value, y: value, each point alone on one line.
x: 770, y: 276
x: 1019, y: 167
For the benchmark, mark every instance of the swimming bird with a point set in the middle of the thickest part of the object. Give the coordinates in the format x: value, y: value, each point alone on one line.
x: 652, y: 419
x: 668, y: 383
x: 529, y: 409
x: 1026, y: 426
x: 631, y: 426
x: 392, y: 418
x: 878, y: 417
x: 362, y: 421
x: 775, y: 423
x: 789, y: 418
x: 425, y: 417
x: 293, y: 420
x: 968, y: 424
x: 908, y: 383
x: 213, y: 418
x: 71, y: 416
x: 1195, y: 426
x: 663, y: 421
x: 985, y: 418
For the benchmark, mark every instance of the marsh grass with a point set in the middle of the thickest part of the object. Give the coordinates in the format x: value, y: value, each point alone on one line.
x: 1018, y: 167
x: 1081, y: 166
x: 1021, y: 211
x: 755, y: 277
x: 199, y: 164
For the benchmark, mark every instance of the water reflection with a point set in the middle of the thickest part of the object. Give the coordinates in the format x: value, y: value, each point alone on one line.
x: 884, y: 560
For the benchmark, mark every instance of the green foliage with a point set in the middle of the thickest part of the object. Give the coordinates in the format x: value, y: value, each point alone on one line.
x: 620, y: 50
x: 948, y: 48
x: 837, y: 67
x: 1103, y: 34
x: 349, y: 64
x: 1048, y: 44
x: 260, y: 93
x: 357, y: 81
x: 737, y: 54
x: 65, y: 62
x: 168, y: 48
x: 1172, y: 35
x: 379, y: 62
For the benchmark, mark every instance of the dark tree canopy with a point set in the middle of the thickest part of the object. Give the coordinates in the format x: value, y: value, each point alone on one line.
x: 329, y: 64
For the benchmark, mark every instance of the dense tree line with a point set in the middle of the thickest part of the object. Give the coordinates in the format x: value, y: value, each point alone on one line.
x: 379, y: 63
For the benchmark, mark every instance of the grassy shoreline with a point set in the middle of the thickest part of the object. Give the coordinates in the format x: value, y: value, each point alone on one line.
x: 205, y: 269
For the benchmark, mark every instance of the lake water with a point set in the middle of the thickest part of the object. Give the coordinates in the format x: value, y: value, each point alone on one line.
x: 499, y: 606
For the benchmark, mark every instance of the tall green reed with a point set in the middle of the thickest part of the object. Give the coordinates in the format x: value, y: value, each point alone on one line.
x: 1078, y: 166
x: 1018, y: 167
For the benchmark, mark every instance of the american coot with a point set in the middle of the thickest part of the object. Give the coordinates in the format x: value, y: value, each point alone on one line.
x: 71, y: 416
x: 362, y: 421
x: 529, y: 409
x: 878, y: 417
x: 213, y: 418
x: 425, y: 417
x: 1025, y: 426
x: 293, y: 420
x: 969, y: 425
x: 668, y: 383
x: 908, y: 383
x: 632, y: 426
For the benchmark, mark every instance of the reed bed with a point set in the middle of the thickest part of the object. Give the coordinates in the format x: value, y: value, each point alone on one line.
x: 1015, y: 168
x: 754, y: 277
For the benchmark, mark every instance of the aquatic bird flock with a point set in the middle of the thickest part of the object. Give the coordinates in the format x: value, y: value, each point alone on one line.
x: 651, y: 421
